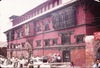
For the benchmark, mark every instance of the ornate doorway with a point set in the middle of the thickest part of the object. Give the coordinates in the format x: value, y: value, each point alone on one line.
x: 66, y: 56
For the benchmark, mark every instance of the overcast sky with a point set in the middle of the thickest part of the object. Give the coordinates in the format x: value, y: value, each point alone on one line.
x: 13, y: 7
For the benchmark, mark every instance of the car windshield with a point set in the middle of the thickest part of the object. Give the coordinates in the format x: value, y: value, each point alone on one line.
x: 37, y: 60
x: 40, y: 60
x: 34, y: 60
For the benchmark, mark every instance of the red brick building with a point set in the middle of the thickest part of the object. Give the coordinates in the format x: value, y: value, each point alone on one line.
x: 54, y: 27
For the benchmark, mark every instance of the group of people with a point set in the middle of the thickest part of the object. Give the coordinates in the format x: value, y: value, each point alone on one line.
x: 20, y: 62
x: 15, y: 62
x: 55, y: 58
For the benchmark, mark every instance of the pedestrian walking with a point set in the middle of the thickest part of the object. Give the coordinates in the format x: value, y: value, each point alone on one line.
x: 96, y: 64
x: 72, y: 65
x: 16, y: 63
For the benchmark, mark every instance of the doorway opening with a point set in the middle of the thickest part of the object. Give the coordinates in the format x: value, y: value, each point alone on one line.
x: 66, y: 56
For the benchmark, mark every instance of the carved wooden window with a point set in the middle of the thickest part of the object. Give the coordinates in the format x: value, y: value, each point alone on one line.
x: 65, y: 39
x: 12, y: 35
x: 38, y: 43
x: 11, y: 46
x: 7, y: 35
x: 64, y: 18
x: 18, y: 35
x: 38, y: 28
x: 47, y: 42
x: 46, y: 25
x: 26, y: 29
x: 79, y: 38
x: 54, y: 41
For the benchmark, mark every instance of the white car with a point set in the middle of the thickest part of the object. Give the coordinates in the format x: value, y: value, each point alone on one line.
x: 35, y: 62
x: 38, y: 62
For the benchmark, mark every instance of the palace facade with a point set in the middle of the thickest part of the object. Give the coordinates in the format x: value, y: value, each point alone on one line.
x: 54, y: 27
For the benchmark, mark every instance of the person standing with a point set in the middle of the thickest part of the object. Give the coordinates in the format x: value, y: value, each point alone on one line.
x: 72, y: 65
x: 58, y: 58
x: 16, y: 62
x: 55, y: 58
x: 96, y: 64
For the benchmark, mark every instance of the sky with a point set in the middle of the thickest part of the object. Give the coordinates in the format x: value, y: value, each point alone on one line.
x: 13, y: 7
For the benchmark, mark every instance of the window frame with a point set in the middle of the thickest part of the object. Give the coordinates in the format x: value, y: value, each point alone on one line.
x: 47, y: 42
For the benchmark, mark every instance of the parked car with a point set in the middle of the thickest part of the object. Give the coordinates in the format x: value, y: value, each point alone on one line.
x: 35, y: 62
x: 38, y: 63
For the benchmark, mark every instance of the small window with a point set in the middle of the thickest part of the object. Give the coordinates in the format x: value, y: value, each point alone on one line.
x: 26, y: 29
x: 46, y: 24
x: 54, y: 41
x: 12, y: 35
x: 38, y: 28
x: 47, y: 42
x: 19, y: 34
x: 47, y: 27
x: 38, y: 43
x: 65, y: 39
x: 79, y: 39
x: 23, y: 45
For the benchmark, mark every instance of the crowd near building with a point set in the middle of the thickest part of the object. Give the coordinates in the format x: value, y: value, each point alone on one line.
x: 57, y: 27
